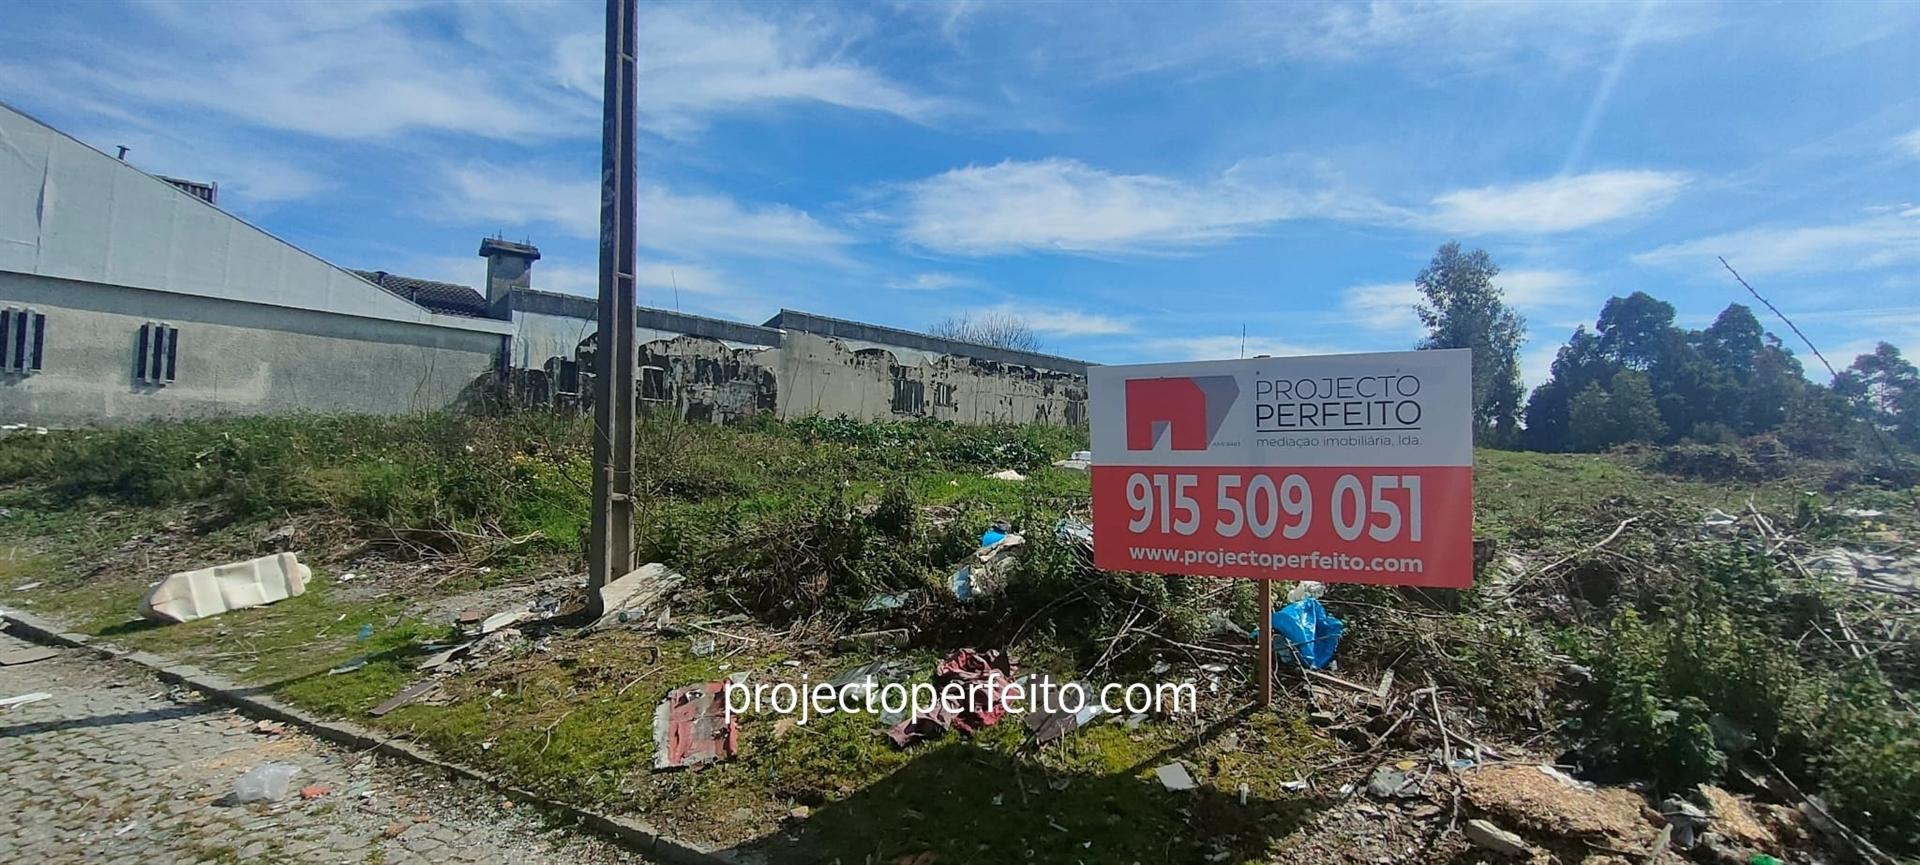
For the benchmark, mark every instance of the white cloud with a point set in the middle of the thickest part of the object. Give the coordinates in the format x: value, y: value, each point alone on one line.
x: 929, y: 282
x: 332, y: 70
x: 701, y: 60
x: 1063, y: 205
x: 1485, y: 37
x: 1878, y: 241
x: 674, y: 222
x: 1910, y: 143
x: 1554, y: 205
x: 1068, y: 206
x: 1388, y: 306
x: 1066, y: 322
x: 508, y: 71
x: 1229, y: 347
x: 1538, y: 287
x: 1536, y: 362
x: 679, y: 277
x: 1383, y: 306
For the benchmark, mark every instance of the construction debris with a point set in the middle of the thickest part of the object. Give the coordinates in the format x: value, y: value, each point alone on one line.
x: 983, y: 573
x: 1048, y: 723
x: 190, y: 595
x: 1495, y: 839
x: 29, y: 655
x: 1078, y: 461
x: 407, y: 695
x: 856, y: 682
x: 1175, y: 777
x: 24, y: 699
x: 1542, y: 800
x: 691, y: 727
x: 637, y: 596
x: 1007, y: 475
x: 892, y: 638
x: 502, y: 620
x: 1074, y: 531
x: 1732, y: 818
x: 442, y: 657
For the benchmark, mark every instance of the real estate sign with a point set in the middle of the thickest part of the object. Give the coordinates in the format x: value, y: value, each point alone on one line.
x: 1339, y: 468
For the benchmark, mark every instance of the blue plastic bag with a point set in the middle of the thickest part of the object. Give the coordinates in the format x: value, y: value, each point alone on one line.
x: 1309, y: 632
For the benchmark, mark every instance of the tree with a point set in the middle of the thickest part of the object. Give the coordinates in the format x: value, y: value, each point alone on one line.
x: 1601, y: 417
x: 1636, y: 417
x: 1591, y: 422
x: 1817, y: 422
x: 1886, y: 386
x: 1464, y: 309
x: 1778, y: 379
x: 1636, y: 329
x: 1734, y: 342
x: 1579, y: 364
x: 994, y: 328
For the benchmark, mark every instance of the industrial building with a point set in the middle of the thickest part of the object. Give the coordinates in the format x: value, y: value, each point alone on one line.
x: 126, y: 296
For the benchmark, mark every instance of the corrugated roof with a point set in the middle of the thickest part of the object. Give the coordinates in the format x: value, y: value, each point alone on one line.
x: 447, y: 297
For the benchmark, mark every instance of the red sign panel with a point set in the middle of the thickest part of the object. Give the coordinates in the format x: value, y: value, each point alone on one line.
x: 1347, y: 468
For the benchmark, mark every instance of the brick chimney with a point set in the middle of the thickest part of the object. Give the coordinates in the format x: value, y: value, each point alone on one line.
x: 509, y: 267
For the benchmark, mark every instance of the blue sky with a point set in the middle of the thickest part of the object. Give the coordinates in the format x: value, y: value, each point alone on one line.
x: 1141, y: 181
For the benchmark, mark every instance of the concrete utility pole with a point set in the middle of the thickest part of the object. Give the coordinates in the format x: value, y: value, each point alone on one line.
x: 610, y: 549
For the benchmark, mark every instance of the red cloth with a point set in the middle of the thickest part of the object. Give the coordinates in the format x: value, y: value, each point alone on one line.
x: 964, y: 668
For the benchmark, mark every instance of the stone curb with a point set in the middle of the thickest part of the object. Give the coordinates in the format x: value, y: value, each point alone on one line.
x: 634, y: 834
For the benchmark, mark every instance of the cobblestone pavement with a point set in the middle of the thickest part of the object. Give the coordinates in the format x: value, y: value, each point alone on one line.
x: 115, y: 768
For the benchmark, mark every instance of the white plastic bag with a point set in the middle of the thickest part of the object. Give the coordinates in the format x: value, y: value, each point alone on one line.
x: 267, y: 782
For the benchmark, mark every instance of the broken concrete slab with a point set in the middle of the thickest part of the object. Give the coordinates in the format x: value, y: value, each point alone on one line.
x: 442, y: 657
x: 1496, y: 840
x: 197, y: 594
x: 407, y: 695
x: 502, y: 620
x: 1543, y: 801
x: 1732, y: 818
x: 1175, y: 777
x: 26, y: 656
x: 691, y: 726
x: 637, y: 596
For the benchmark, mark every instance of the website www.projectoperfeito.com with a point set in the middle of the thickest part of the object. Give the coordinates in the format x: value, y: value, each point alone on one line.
x: 807, y: 700
x: 1277, y: 561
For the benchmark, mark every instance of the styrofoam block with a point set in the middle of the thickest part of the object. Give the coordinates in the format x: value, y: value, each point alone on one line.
x: 190, y: 595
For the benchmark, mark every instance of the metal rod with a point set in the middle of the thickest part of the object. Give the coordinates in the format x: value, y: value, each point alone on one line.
x: 610, y: 543
x: 1264, y: 664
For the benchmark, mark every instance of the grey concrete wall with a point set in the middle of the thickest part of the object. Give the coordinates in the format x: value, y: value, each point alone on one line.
x: 860, y: 333
x: 70, y: 212
x: 705, y: 379
x: 234, y: 358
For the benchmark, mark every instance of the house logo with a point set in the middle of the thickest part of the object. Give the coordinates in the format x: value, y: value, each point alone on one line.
x: 1185, y: 412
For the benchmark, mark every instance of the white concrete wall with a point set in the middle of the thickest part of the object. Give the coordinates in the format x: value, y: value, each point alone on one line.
x: 539, y: 337
x: 234, y: 358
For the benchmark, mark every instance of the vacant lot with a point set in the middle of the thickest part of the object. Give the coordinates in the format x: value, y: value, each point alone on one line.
x: 1619, y: 627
